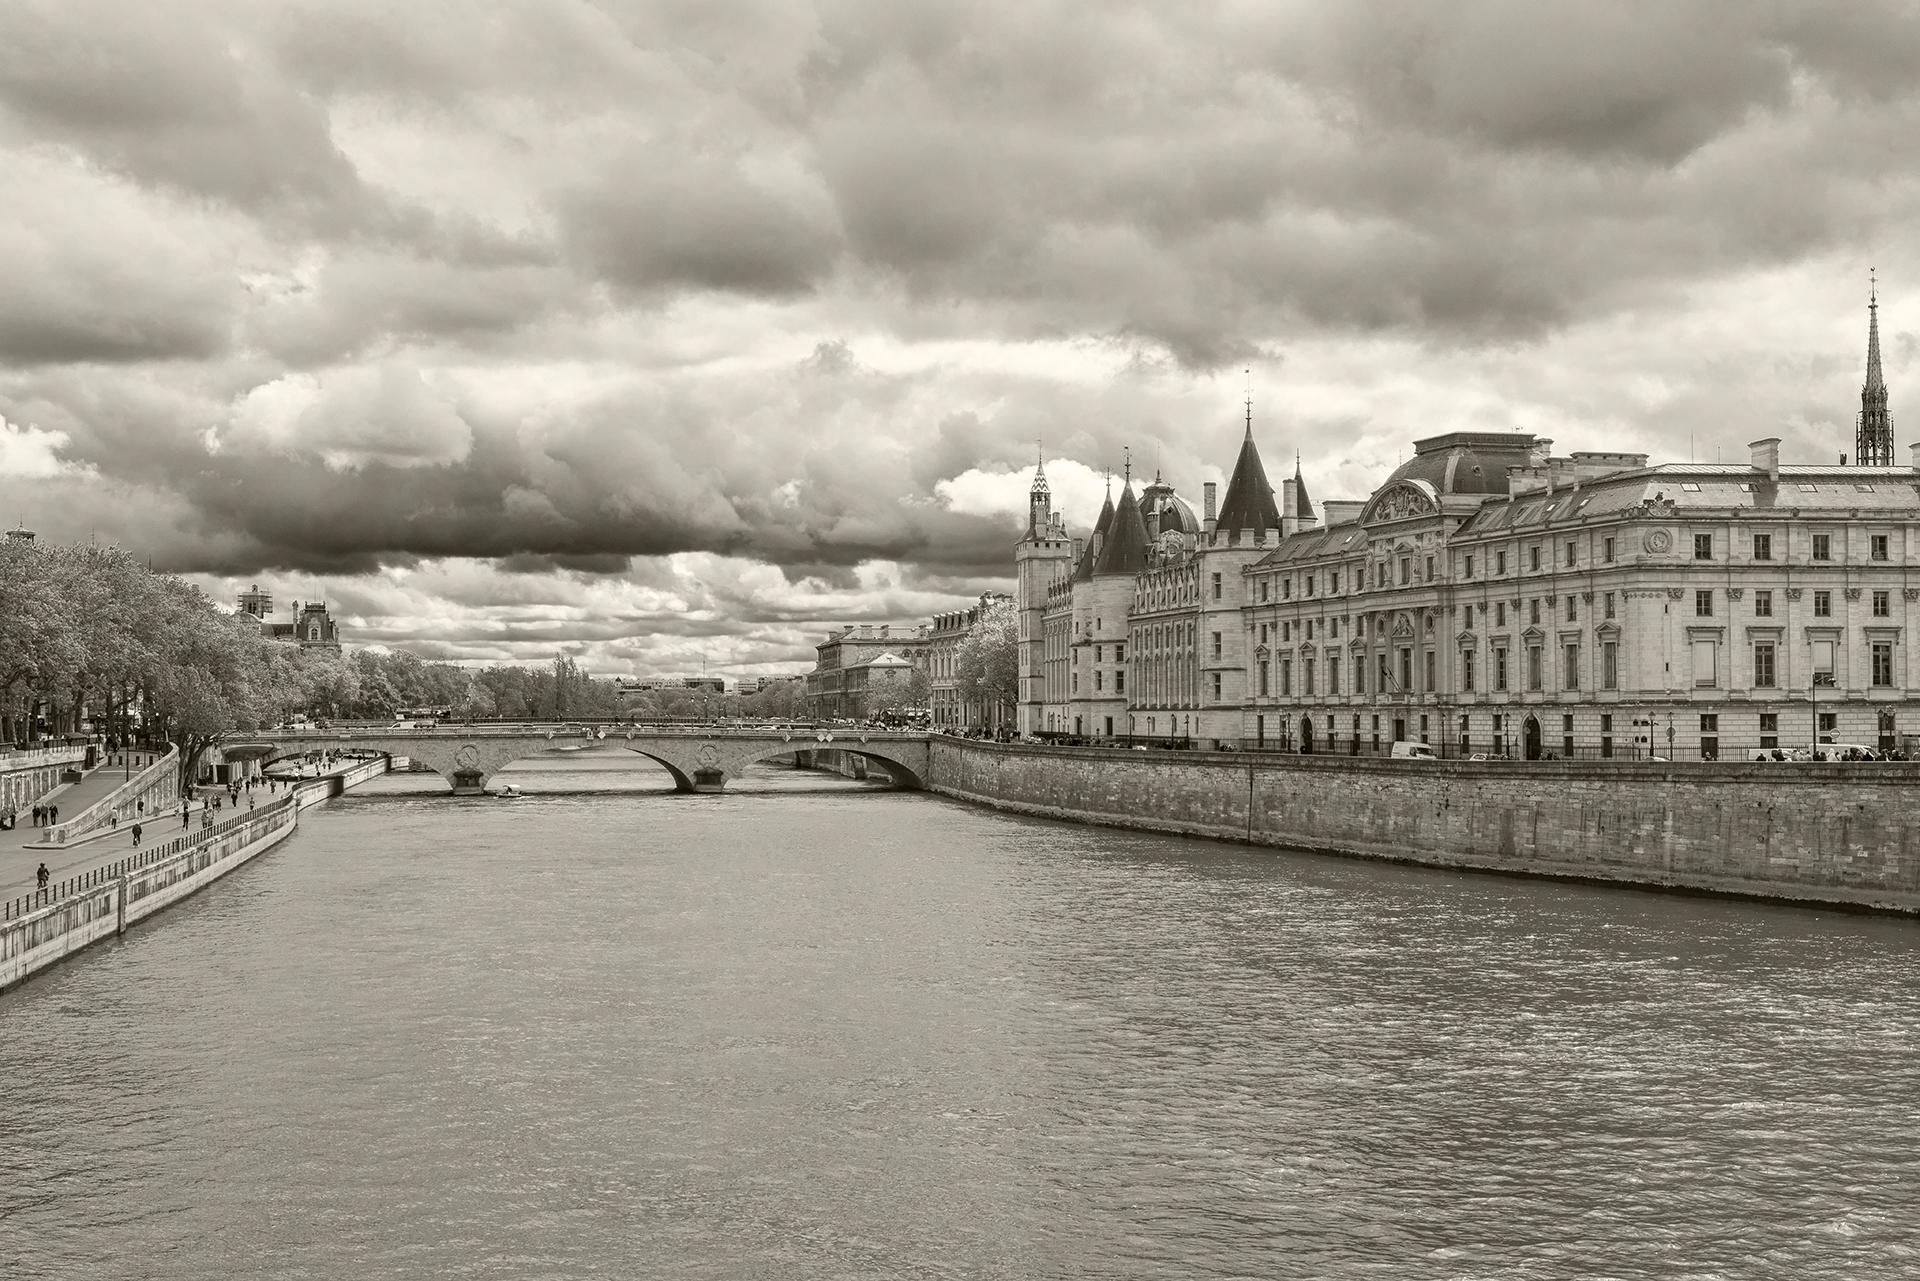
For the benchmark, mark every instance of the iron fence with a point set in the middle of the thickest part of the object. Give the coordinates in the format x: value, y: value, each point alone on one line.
x: 159, y: 852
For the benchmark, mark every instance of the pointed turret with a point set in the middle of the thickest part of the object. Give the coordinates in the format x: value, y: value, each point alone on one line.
x: 1248, y: 503
x: 1303, y: 505
x: 1039, y: 501
x: 1100, y: 527
x: 1125, y: 548
x: 1873, y: 434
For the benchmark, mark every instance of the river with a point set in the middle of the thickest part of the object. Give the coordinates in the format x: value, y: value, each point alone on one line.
x: 811, y: 1029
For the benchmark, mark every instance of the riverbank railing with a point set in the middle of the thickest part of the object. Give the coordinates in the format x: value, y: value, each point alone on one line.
x: 147, y: 856
x: 119, y: 805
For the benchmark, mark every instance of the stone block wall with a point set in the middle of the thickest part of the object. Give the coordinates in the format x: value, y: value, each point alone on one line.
x: 1836, y: 834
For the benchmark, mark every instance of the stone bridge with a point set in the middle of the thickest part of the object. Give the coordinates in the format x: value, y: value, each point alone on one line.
x: 700, y: 758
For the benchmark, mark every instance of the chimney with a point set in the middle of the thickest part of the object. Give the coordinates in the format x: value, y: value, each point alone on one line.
x: 1210, y: 508
x: 1915, y: 448
x: 1766, y: 457
x: 1153, y: 521
x: 1339, y: 511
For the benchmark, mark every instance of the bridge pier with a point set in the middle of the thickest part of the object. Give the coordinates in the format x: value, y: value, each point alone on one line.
x: 699, y: 759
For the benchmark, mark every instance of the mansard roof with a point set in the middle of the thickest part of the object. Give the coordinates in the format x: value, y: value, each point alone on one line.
x: 1348, y: 537
x: 1248, y: 503
x: 1808, y: 491
x: 1467, y: 462
x: 1125, y: 550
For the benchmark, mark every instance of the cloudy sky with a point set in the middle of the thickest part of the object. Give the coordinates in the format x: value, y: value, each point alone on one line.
x: 665, y: 331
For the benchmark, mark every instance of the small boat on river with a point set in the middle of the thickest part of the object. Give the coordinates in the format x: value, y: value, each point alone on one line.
x: 509, y: 793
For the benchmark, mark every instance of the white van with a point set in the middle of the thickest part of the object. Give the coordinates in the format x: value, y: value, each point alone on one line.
x: 1413, y: 752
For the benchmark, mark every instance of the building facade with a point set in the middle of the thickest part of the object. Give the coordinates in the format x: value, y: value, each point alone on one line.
x: 947, y: 708
x: 1493, y: 597
x: 843, y: 673
x: 312, y: 625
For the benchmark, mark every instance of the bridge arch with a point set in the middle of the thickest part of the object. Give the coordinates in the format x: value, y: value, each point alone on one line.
x: 697, y: 759
x: 906, y: 777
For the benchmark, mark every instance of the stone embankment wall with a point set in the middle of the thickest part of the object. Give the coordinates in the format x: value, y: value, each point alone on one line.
x: 1836, y: 834
x: 104, y: 902
x: 156, y: 784
x: 30, y: 773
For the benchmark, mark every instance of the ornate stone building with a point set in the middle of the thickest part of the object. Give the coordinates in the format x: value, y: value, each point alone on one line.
x: 859, y: 658
x: 1492, y: 597
x: 312, y: 625
x: 946, y: 708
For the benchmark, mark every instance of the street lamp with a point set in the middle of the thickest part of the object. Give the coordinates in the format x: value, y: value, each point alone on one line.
x: 1813, y: 699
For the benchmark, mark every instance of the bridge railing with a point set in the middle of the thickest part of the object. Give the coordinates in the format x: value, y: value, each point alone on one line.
x: 561, y: 731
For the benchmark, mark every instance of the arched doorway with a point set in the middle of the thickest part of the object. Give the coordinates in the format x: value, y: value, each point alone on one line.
x: 1306, y: 734
x: 1532, y: 732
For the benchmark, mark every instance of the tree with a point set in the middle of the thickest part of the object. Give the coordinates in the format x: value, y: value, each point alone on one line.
x: 898, y: 693
x: 987, y: 666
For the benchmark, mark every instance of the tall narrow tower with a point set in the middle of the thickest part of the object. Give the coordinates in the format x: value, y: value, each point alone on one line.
x: 1873, y: 435
x: 1040, y: 559
x: 1039, y: 502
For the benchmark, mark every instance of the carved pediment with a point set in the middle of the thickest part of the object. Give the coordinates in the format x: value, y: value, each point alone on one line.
x: 1467, y: 640
x: 1402, y: 626
x: 1260, y: 652
x: 1357, y: 643
x: 1306, y: 647
x: 1533, y: 636
x: 1400, y: 500
x: 1607, y: 631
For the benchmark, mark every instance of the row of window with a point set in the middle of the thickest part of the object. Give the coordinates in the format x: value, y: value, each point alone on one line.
x: 1378, y: 573
x: 1706, y: 669
x: 1881, y: 603
x: 1878, y: 547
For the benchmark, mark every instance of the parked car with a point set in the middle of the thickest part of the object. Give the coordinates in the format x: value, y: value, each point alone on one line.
x: 1405, y: 751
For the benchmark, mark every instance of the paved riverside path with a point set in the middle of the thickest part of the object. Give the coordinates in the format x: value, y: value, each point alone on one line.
x: 18, y: 863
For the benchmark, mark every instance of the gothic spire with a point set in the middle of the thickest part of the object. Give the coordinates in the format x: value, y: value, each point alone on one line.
x: 1248, y: 502
x: 1873, y: 437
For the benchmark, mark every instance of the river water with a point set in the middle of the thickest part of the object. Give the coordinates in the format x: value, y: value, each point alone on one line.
x: 811, y: 1029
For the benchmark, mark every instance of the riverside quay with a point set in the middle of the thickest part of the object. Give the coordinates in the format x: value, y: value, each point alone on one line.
x: 1492, y: 597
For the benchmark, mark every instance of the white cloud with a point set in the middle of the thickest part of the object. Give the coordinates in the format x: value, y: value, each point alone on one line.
x: 29, y: 453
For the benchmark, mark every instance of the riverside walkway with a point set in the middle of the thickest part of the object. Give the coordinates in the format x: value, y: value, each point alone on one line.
x: 20, y: 860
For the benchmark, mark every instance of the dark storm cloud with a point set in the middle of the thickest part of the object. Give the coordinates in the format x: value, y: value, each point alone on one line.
x: 161, y: 98
x: 656, y: 220
x: 338, y: 284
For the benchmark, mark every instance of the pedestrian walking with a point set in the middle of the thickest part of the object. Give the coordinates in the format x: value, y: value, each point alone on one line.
x: 42, y: 876
x: 53, y: 814
x: 183, y: 814
x: 140, y: 807
x: 136, y: 836
x: 38, y: 810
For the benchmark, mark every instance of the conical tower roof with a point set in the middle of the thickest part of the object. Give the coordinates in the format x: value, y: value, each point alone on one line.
x: 1248, y: 503
x: 1125, y: 551
x: 1085, y: 569
x: 1873, y: 438
x: 1303, y: 506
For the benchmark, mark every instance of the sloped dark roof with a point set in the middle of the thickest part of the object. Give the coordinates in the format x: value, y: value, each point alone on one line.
x: 1466, y: 462
x: 1303, y: 504
x: 1125, y: 551
x: 1249, y: 500
x: 1084, y: 570
x: 1174, y: 512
